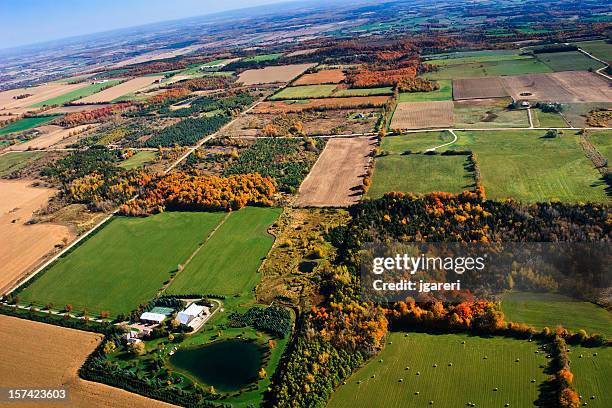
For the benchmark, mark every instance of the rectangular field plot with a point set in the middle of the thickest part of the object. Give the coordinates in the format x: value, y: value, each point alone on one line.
x: 324, y: 76
x: 304, y: 92
x: 122, y: 265
x: 552, y: 310
x: 489, y: 68
x: 336, y: 178
x: 115, y: 92
x: 478, y: 88
x: 602, y: 140
x: 13, y: 161
x: 547, y: 119
x: 488, y: 113
x: 569, y: 61
x: 576, y: 113
x: 283, y: 73
x: 420, y: 115
x: 462, y: 373
x: 14, y: 98
x: 416, y: 142
x: 26, y: 123
x: 320, y: 104
x: 528, y: 167
x: 578, y: 86
x: 599, y: 49
x: 592, y: 374
x: 419, y: 173
x: 445, y: 93
x: 82, y: 92
x: 227, y: 263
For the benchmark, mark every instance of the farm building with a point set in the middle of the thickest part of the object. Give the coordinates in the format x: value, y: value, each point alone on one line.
x: 150, y: 317
x: 191, y: 312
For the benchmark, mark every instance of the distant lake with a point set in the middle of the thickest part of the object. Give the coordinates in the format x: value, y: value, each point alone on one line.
x: 227, y: 365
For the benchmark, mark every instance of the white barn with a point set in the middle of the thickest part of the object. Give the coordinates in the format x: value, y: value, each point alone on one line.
x: 190, y: 313
x: 152, y: 317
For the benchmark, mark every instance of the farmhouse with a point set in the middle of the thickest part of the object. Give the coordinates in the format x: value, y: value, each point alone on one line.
x: 187, y: 315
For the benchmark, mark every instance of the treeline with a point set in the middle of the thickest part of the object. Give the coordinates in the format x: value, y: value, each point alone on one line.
x: 183, y: 192
x: 95, y: 115
x: 274, y: 320
x: 188, y: 131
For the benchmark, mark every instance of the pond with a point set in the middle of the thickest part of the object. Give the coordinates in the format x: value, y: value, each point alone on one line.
x: 227, y: 365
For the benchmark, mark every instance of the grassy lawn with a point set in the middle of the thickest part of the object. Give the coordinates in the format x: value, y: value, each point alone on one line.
x: 490, y: 68
x: 523, y: 165
x: 264, y: 57
x: 26, y: 123
x: 445, y: 93
x: 122, y: 265
x: 227, y: 263
x: 494, y: 114
x: 547, y: 309
x: 547, y: 119
x: 305, y: 92
x: 415, y: 142
x: 592, y: 374
x: 569, y: 61
x: 138, y: 159
x: 13, y: 161
x: 602, y: 140
x: 77, y: 94
x: 420, y: 173
x: 385, y: 380
x: 599, y: 49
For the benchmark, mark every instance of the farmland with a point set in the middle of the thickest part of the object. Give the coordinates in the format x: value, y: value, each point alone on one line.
x: 284, y: 73
x: 123, y: 264
x: 58, y: 353
x: 228, y: 261
x: 38, y: 94
x: 569, y: 61
x: 390, y: 379
x: 116, y: 91
x: 420, y: 115
x: 49, y: 136
x: 489, y: 113
x: 344, y: 161
x: 547, y: 309
x: 321, y: 104
x: 324, y: 76
x: 559, y: 87
x: 25, y: 124
x: 591, y: 373
x: 138, y: 159
x: 478, y: 88
x: 79, y: 93
x: 490, y: 68
x: 305, y: 92
x: 10, y: 162
x: 600, y: 49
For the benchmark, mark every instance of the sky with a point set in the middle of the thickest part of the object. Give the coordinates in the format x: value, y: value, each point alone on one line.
x: 33, y: 21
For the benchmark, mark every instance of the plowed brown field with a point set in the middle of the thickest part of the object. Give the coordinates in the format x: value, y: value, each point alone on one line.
x: 420, y: 115
x: 124, y: 88
x: 38, y: 355
x: 336, y: 178
x: 478, y: 88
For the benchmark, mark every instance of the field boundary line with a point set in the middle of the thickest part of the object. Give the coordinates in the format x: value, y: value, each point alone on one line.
x: 600, y: 70
x: 195, y: 252
x: 530, y: 118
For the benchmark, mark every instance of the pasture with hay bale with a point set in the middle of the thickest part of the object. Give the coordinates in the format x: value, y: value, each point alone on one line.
x: 452, y: 372
x: 592, y: 369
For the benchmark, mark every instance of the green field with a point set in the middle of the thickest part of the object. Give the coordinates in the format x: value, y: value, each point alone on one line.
x: 386, y: 382
x: 547, y: 119
x: 494, y: 114
x: 138, y: 159
x: 476, y: 56
x: 305, y: 92
x: 524, y: 165
x: 568, y: 61
x: 490, y: 68
x: 122, y: 265
x: 12, y: 161
x: 592, y: 374
x: 602, y: 140
x: 547, y: 309
x: 364, y: 91
x: 445, y: 93
x: 26, y: 123
x: 264, y: 57
x: 77, y: 94
x: 419, y: 173
x: 599, y: 49
x: 415, y: 142
x: 227, y: 263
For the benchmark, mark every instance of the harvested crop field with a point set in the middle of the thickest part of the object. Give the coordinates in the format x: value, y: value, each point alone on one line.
x: 574, y: 86
x: 488, y: 113
x: 268, y: 75
x: 36, y: 94
x: 418, y: 115
x: 336, y: 178
x: 325, y: 76
x: 38, y: 355
x: 23, y: 246
x: 478, y: 88
x: 321, y: 104
x: 49, y: 135
x: 74, y: 108
x: 117, y: 91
